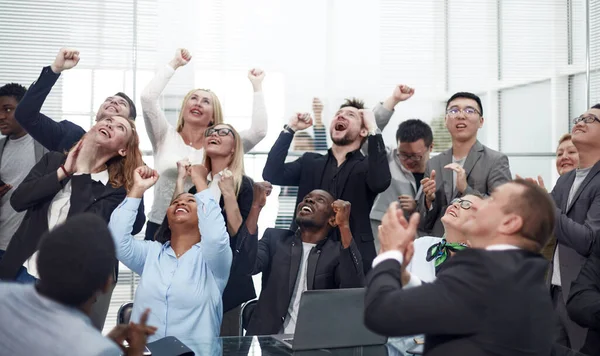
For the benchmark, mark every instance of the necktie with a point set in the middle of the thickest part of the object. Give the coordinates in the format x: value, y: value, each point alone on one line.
x: 441, y: 251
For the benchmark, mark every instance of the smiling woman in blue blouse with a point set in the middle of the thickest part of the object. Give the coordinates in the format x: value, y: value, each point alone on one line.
x: 184, y: 275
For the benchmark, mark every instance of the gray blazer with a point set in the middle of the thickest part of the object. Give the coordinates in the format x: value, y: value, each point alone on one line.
x: 485, y: 168
x: 39, y: 150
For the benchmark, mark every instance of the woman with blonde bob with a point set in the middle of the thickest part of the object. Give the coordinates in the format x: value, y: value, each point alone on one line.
x: 94, y: 176
x: 224, y: 160
x: 200, y: 109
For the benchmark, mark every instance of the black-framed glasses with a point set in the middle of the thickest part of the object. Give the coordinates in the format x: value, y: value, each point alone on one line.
x: 588, y: 119
x: 406, y: 157
x: 463, y: 203
x: 222, y: 131
x: 468, y: 111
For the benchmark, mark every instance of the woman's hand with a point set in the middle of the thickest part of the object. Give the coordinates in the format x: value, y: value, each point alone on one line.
x: 226, y: 186
x: 181, y: 58
x: 144, y: 177
x: 256, y: 77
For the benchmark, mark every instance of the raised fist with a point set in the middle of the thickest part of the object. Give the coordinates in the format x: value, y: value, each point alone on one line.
x: 198, y: 173
x: 66, y: 58
x: 256, y: 76
x: 341, y: 208
x: 368, y: 118
x: 300, y: 121
x: 183, y: 168
x: 144, y: 177
x: 402, y: 92
x: 181, y: 58
x: 261, y: 191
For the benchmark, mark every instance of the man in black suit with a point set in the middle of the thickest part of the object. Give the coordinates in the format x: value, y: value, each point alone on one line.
x: 584, y: 301
x: 295, y: 261
x: 344, y: 171
x: 577, y: 198
x: 487, y: 300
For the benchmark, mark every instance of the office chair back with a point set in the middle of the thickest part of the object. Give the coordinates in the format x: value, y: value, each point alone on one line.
x: 245, y: 314
x: 124, y: 313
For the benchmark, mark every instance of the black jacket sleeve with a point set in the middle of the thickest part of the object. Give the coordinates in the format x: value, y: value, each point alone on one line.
x: 83, y: 197
x: 263, y: 253
x: 41, y: 184
x: 49, y: 133
x: 278, y: 172
x: 583, y: 304
x: 349, y: 273
x: 378, y: 176
x: 449, y: 305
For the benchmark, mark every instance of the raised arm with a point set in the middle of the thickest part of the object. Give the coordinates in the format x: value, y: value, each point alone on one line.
x: 130, y: 251
x: 259, y: 125
x: 378, y: 175
x: 41, y: 184
x: 43, y: 129
x: 236, y: 207
x: 215, y: 240
x: 349, y: 272
x: 276, y: 170
x: 156, y: 122
x: 385, y: 110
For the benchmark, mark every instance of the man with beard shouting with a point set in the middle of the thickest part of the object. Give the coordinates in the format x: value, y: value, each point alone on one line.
x: 344, y: 171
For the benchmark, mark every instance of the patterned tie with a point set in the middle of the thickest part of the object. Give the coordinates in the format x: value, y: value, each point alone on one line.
x: 441, y: 251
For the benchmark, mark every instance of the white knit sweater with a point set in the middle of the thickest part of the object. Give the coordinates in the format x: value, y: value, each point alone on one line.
x: 168, y: 146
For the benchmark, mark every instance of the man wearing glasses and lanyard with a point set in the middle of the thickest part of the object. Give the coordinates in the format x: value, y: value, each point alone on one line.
x: 468, y: 167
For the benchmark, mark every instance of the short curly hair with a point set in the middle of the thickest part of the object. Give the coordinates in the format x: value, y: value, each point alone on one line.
x: 15, y: 90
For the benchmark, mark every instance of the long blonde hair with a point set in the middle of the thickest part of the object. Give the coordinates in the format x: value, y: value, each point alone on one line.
x: 236, y: 165
x: 121, y: 168
x: 217, y: 109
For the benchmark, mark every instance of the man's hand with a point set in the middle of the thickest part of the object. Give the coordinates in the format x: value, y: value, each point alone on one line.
x: 429, y: 188
x: 407, y: 203
x: 181, y: 58
x: 402, y: 92
x: 461, y: 176
x: 66, y: 58
x: 144, y: 177
x: 300, y: 121
x: 342, y: 208
x: 408, y: 255
x: 4, y: 189
x: 539, y: 181
x: 226, y: 186
x: 256, y: 76
x: 395, y: 233
x: 138, y: 334
x: 261, y: 190
x: 368, y: 119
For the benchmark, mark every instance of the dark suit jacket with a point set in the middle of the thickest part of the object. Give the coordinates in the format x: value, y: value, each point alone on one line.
x: 482, y: 303
x: 240, y: 287
x: 584, y: 301
x: 278, y: 254
x: 485, y: 168
x: 364, y: 178
x: 35, y: 194
x: 56, y: 136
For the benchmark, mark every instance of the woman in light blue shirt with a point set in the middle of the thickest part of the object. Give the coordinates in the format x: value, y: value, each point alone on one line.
x: 182, y: 277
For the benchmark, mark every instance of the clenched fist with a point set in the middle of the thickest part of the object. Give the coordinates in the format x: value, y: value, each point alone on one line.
x: 261, y: 190
x: 368, y: 118
x: 341, y: 208
x: 256, y: 76
x: 66, y: 58
x: 300, y: 121
x: 181, y: 58
x: 402, y: 92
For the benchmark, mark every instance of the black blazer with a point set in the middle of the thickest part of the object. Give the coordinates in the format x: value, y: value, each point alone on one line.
x: 482, y: 303
x: 364, y: 178
x: 584, y: 301
x: 240, y: 287
x: 35, y: 194
x: 277, y: 255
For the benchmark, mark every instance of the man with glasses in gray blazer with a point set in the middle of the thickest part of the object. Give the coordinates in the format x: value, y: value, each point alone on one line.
x: 468, y: 167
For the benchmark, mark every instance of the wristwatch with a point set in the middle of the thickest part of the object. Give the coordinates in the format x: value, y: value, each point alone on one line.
x: 288, y: 129
x: 376, y: 132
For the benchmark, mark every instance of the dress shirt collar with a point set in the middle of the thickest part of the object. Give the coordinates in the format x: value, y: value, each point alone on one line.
x: 502, y: 247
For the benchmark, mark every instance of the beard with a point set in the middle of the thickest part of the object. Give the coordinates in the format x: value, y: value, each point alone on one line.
x: 306, y: 222
x: 344, y: 140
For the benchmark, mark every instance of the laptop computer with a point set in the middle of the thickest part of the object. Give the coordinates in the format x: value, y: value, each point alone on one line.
x: 331, y: 318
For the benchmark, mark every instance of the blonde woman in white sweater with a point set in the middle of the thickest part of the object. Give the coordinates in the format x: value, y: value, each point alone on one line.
x: 200, y: 109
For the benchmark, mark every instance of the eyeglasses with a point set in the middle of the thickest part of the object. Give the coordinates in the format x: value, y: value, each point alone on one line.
x: 586, y: 119
x: 223, y: 131
x: 468, y: 111
x: 414, y: 158
x: 463, y: 203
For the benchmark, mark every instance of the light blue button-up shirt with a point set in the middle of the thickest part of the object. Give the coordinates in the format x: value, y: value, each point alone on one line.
x: 184, y: 294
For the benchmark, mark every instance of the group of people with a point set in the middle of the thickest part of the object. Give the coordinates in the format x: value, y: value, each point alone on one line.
x: 460, y: 243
